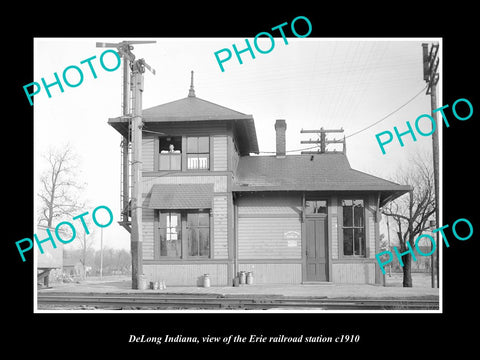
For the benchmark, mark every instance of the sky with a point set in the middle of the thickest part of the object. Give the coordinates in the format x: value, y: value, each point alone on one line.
x: 311, y: 83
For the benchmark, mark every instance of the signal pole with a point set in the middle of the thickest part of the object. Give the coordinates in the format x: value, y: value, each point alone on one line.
x: 137, y: 125
x: 430, y: 75
x: 137, y: 68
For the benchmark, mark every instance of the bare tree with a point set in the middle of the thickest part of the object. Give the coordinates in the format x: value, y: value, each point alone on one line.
x: 412, y: 212
x: 59, y: 188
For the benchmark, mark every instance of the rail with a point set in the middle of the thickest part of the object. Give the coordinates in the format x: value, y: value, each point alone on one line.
x: 176, y: 302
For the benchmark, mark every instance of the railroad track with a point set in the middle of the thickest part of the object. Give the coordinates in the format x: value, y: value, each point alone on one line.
x: 219, y: 302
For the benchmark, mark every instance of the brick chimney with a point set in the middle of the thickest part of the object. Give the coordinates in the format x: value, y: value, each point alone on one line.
x: 280, y: 128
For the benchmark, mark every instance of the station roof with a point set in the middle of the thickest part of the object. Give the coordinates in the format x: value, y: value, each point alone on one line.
x: 319, y: 172
x: 194, y: 109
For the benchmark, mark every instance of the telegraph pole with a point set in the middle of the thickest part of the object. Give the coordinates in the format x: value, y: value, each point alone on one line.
x: 101, y: 254
x: 430, y: 75
x: 322, y: 142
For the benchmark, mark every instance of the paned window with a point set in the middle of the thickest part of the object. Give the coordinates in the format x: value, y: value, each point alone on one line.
x: 353, y: 227
x: 184, y: 234
x: 198, y: 152
x: 170, y: 227
x: 198, y: 226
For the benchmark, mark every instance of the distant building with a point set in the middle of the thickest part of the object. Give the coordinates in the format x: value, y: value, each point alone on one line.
x: 212, y: 207
x: 50, y: 259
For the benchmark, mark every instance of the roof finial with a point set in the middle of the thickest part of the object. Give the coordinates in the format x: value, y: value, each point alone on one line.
x: 191, y: 92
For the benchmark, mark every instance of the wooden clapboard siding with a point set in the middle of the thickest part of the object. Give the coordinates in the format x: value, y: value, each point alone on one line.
x: 187, y: 274
x: 263, y: 221
x: 353, y: 273
x: 220, y: 153
x: 264, y: 204
x: 264, y: 238
x: 220, y: 227
x: 333, y: 228
x: 371, y: 227
x: 334, y: 236
x: 371, y: 236
x: 148, y: 233
x: 148, y: 148
x: 219, y: 182
x: 274, y: 273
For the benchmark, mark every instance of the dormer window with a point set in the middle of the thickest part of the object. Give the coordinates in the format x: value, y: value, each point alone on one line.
x: 170, y: 157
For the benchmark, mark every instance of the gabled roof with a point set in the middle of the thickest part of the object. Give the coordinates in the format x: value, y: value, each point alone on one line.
x: 322, y: 172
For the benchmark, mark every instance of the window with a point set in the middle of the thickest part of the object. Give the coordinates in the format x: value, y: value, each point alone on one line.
x: 198, y: 153
x: 353, y: 227
x: 196, y: 242
x: 170, y: 234
x: 315, y: 207
x: 170, y: 157
x: 198, y: 225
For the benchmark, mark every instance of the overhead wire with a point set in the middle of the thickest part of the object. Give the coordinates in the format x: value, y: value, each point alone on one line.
x: 388, y: 115
x: 361, y: 130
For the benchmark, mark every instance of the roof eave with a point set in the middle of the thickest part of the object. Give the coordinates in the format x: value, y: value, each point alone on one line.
x: 250, y: 146
x: 120, y: 124
x: 175, y: 118
x: 386, y: 195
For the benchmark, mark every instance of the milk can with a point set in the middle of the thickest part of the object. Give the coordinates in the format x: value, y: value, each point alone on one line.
x: 142, y: 282
x: 250, y: 278
x: 242, y: 277
x: 206, y: 280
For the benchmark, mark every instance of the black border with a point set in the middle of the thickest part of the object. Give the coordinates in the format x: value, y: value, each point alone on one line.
x: 380, y: 333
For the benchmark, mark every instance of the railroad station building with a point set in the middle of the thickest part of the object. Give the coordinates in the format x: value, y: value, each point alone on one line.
x: 212, y: 205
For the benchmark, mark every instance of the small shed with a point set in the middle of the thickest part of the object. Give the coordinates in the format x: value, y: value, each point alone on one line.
x: 50, y: 259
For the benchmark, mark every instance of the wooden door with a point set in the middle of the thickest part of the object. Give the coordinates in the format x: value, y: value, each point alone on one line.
x: 316, y: 248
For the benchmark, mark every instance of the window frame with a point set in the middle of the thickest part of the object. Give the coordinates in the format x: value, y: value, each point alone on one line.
x: 157, y: 233
x: 184, y: 232
x: 316, y: 199
x: 341, y: 228
x: 188, y: 153
x: 197, y: 230
x: 159, y: 154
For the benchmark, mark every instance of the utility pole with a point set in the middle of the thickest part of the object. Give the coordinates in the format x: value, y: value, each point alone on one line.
x: 430, y: 75
x: 101, y: 253
x: 322, y: 141
x: 389, y: 247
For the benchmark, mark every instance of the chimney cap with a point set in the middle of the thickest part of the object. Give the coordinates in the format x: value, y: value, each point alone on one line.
x: 280, y: 129
x: 280, y: 122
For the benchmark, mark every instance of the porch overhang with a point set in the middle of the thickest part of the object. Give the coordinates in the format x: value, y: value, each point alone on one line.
x: 181, y: 196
